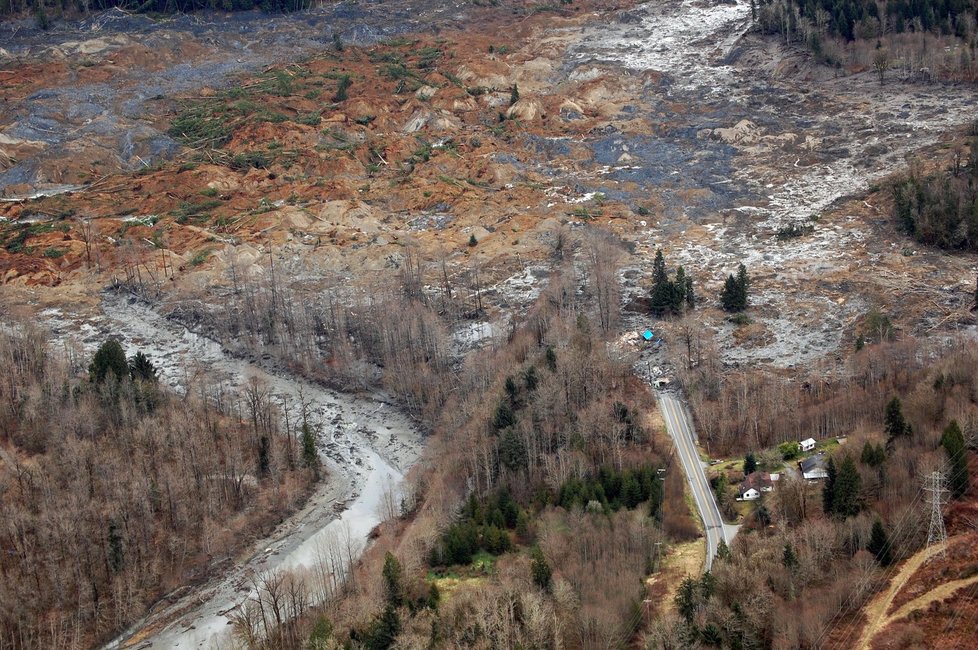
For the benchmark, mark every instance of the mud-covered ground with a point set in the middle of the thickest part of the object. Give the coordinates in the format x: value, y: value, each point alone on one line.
x: 92, y: 92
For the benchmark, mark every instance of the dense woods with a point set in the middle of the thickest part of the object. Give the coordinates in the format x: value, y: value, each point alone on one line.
x: 941, y: 208
x: 918, y: 40
x: 114, y: 491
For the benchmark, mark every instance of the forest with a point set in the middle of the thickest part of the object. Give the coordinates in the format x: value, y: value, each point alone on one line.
x: 920, y: 41
x: 115, y: 490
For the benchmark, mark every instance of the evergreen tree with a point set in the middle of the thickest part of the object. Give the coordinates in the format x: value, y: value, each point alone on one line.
x: 691, y: 297
x: 734, y: 296
x: 750, y: 464
x: 393, y: 577
x: 847, y: 500
x: 539, y: 569
x: 788, y: 558
x: 142, y: 369
x: 115, y: 548
x: 686, y: 599
x: 723, y: 551
x: 511, y: 389
x: 514, y: 95
x: 828, y: 490
x: 310, y: 457
x: 707, y: 586
x: 109, y: 359
x: 264, y: 457
x: 663, y: 291
x: 679, y: 290
x: 893, y: 421
x: 551, y: 356
x: 872, y: 455
x: 879, y: 545
x: 504, y: 417
x: 743, y: 281
x: 512, y: 451
x: 953, y: 442
x: 384, y: 630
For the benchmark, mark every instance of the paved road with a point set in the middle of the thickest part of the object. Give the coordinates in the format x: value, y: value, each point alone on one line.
x: 680, y: 427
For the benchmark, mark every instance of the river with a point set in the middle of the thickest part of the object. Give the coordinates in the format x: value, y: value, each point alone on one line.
x: 365, y: 443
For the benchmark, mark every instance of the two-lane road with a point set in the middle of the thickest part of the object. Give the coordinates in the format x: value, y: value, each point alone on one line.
x: 680, y: 427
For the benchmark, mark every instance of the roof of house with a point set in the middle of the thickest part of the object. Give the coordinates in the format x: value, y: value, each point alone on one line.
x: 812, y: 463
x: 758, y: 480
x: 808, y: 440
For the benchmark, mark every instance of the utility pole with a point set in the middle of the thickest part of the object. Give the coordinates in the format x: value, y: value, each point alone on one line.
x: 937, y: 534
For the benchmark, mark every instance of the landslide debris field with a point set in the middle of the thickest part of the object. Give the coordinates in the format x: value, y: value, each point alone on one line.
x: 668, y: 123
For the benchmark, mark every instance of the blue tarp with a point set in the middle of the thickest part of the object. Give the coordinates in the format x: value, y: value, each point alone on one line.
x: 647, y: 335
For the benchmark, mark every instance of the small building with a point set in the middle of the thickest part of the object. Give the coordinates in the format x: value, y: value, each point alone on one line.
x: 808, y: 444
x: 662, y: 382
x: 813, y: 468
x: 756, y: 483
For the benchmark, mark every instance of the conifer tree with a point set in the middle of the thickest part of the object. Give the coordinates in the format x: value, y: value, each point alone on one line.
x: 788, y: 558
x: 110, y: 359
x: 539, y: 569
x: 953, y: 442
x: 734, y: 296
x: 141, y: 368
x: 894, y: 423
x: 393, y: 577
x: 750, y: 464
x: 310, y: 457
x: 846, y: 498
x: 879, y: 545
x: 828, y: 490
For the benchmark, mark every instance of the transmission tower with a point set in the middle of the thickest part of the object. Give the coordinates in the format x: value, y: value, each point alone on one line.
x: 936, y: 534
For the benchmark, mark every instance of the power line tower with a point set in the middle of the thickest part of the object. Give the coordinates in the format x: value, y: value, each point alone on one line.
x: 936, y: 534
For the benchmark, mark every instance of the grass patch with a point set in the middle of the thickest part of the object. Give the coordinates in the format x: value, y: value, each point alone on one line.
x: 200, y: 257
x: 54, y: 252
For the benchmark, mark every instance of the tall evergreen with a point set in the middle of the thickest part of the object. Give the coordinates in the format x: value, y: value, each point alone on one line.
x: 310, y: 457
x: 393, y: 577
x: 141, y: 368
x: 734, y: 296
x: 110, y: 359
x: 894, y: 423
x: 670, y: 296
x: 750, y: 464
x: 846, y: 497
x: 953, y: 442
x: 539, y: 569
x: 828, y: 490
x: 879, y: 544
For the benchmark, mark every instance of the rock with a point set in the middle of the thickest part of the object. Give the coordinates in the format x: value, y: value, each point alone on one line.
x: 424, y: 93
x: 417, y: 121
x: 526, y: 110
x: 744, y: 132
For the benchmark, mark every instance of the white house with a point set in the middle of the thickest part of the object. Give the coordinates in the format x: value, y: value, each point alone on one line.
x: 756, y: 483
x: 808, y: 444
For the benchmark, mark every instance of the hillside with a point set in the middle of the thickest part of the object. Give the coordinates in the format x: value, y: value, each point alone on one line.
x: 412, y: 246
